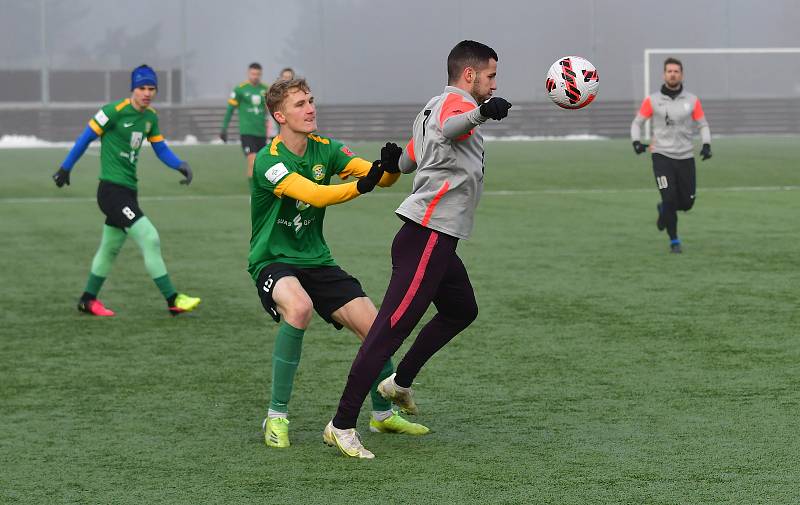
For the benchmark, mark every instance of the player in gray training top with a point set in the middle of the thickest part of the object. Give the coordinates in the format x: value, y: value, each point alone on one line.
x: 447, y: 151
x: 674, y: 114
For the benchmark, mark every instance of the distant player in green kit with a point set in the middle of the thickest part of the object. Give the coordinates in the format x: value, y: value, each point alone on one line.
x: 293, y: 268
x: 123, y: 126
x: 249, y: 99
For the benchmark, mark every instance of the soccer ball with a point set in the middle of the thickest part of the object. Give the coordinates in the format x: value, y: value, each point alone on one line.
x: 572, y: 82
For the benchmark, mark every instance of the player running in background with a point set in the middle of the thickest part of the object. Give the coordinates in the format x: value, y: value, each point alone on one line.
x: 123, y: 126
x: 674, y: 114
x: 447, y: 151
x: 289, y: 260
x: 286, y: 74
x: 249, y: 99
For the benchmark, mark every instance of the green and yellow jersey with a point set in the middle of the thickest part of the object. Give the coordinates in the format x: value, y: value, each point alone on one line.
x: 251, y: 103
x: 122, y: 129
x: 289, y: 194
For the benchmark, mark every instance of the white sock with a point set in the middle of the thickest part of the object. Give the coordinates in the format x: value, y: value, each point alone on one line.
x: 382, y: 415
x: 272, y: 414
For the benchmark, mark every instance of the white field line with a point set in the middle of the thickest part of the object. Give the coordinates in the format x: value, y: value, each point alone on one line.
x: 532, y: 192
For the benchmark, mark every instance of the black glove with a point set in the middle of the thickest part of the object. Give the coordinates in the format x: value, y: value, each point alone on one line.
x: 61, y: 177
x: 705, y: 153
x: 369, y: 181
x: 495, y: 108
x: 223, y: 136
x: 186, y: 170
x: 390, y: 157
x: 639, y: 148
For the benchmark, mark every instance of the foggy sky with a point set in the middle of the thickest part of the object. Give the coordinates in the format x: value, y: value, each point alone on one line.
x: 379, y: 51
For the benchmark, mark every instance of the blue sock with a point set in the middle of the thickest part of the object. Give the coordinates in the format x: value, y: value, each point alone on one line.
x: 675, y: 241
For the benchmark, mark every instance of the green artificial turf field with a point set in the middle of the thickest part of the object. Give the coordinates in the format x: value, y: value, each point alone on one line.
x: 601, y: 368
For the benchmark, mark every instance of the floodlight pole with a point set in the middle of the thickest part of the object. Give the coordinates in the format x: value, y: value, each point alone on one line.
x: 700, y: 50
x: 45, y: 71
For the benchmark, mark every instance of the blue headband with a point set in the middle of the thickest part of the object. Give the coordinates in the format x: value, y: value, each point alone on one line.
x: 143, y: 76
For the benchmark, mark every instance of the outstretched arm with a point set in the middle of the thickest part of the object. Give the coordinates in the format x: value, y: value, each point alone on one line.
x: 83, y: 141
x: 359, y: 168
x: 298, y: 187
x: 165, y: 154
x: 61, y: 176
x: 170, y: 159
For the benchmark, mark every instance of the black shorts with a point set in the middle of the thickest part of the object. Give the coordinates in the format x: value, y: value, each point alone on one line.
x: 251, y: 144
x: 119, y: 204
x: 676, y: 180
x: 330, y: 288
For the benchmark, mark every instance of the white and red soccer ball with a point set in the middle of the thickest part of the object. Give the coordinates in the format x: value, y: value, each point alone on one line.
x: 572, y: 82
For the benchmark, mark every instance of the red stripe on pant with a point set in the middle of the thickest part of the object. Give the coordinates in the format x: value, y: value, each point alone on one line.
x: 417, y: 280
x: 425, y: 270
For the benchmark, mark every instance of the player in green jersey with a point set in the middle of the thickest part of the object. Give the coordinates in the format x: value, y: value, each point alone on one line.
x: 123, y: 126
x: 249, y: 99
x: 292, y: 265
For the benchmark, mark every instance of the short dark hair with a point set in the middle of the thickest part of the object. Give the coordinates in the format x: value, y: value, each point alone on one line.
x: 286, y: 69
x: 279, y: 90
x: 673, y: 61
x: 468, y: 53
x: 255, y: 65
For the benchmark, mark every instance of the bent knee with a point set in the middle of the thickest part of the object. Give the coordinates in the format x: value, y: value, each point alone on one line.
x: 298, y: 312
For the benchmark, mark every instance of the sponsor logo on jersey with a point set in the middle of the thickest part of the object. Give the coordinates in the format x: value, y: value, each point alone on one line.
x: 255, y: 99
x: 319, y: 172
x: 276, y: 173
x: 101, y: 118
x: 346, y: 150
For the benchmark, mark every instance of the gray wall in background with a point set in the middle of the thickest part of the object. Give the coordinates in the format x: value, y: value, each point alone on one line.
x: 382, y: 51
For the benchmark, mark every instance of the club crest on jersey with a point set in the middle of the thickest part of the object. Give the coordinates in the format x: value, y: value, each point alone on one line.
x: 301, y: 205
x: 346, y: 150
x: 319, y: 172
x: 255, y: 99
x: 136, y: 140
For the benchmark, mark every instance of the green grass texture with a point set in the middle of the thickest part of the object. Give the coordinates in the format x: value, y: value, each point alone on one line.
x: 601, y: 368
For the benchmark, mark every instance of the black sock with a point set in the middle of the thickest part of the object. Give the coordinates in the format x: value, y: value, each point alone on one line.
x: 669, y: 216
x: 86, y: 296
x: 171, y: 300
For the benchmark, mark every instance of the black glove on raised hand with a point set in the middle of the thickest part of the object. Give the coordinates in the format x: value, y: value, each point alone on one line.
x: 495, y: 108
x: 369, y: 181
x: 390, y: 157
x: 186, y: 170
x: 61, y: 177
x: 639, y: 148
x: 705, y: 152
x: 223, y: 136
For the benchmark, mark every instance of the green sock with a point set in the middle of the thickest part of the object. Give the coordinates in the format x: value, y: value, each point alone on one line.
x: 94, y: 284
x: 379, y: 403
x: 165, y: 286
x: 146, y: 237
x: 285, y: 358
x: 110, y: 245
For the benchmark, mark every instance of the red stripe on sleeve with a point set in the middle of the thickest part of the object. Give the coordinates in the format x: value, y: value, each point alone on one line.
x: 646, y: 109
x: 454, y: 105
x: 697, y: 113
x: 410, y: 150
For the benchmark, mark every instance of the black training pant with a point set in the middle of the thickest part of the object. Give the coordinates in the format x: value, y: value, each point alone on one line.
x: 425, y: 269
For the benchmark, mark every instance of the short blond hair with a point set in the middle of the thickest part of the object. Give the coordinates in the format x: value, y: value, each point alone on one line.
x: 279, y: 90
